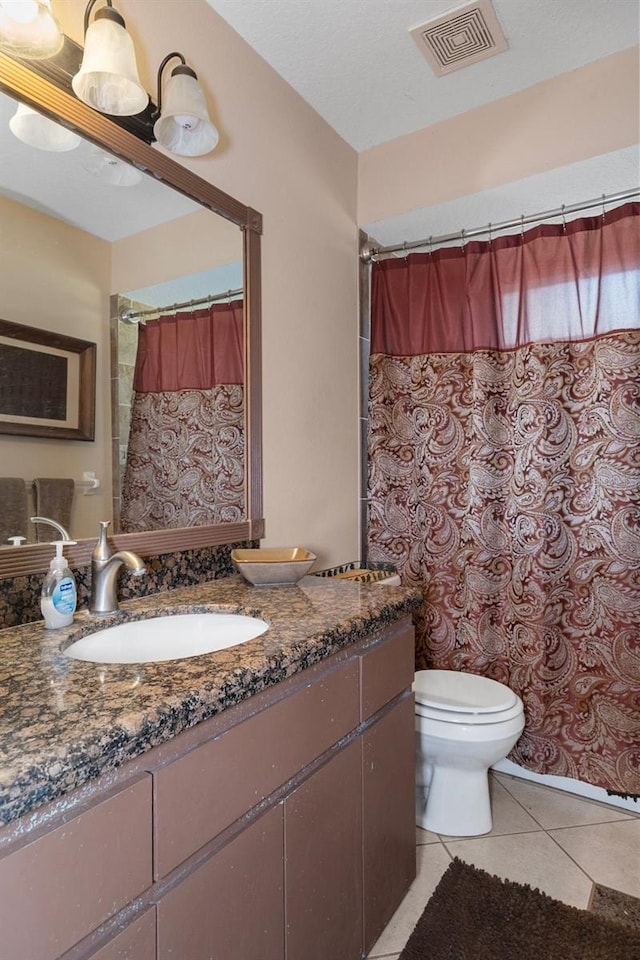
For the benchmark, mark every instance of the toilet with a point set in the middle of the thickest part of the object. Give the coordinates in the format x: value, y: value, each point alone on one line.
x: 464, y: 724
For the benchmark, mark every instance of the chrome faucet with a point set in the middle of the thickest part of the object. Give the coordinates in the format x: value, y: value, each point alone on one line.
x: 52, y: 523
x: 104, y: 572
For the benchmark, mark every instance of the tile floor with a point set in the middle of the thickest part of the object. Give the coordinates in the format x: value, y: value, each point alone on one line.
x: 552, y: 840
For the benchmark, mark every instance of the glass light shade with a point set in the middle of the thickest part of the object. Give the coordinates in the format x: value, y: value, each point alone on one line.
x: 110, y: 169
x: 184, y: 126
x: 38, y: 131
x: 28, y: 29
x: 108, y: 78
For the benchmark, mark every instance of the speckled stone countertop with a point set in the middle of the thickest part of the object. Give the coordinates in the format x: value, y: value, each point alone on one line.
x: 64, y: 722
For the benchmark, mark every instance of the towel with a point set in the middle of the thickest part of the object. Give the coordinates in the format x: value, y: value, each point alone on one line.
x: 13, y: 509
x: 54, y: 497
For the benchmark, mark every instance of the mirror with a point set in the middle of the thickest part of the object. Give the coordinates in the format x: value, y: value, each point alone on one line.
x: 148, y: 265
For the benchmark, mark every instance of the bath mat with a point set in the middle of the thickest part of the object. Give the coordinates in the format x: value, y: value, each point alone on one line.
x: 615, y: 905
x: 475, y: 916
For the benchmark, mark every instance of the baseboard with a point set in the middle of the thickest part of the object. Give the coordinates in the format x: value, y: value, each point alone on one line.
x: 586, y: 790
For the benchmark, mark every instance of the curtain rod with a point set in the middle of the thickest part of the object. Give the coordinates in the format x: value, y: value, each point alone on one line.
x: 371, y: 253
x: 134, y: 316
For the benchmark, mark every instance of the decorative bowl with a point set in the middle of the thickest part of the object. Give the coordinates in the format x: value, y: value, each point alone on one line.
x: 273, y: 566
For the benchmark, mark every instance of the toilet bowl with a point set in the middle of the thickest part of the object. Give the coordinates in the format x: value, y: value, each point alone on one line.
x: 464, y: 724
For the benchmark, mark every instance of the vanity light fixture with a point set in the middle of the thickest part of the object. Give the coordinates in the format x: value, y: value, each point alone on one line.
x: 38, y: 131
x: 108, y: 77
x: 29, y: 29
x: 183, y: 126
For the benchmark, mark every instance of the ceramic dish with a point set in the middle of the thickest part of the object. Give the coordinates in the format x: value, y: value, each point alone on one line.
x: 273, y: 566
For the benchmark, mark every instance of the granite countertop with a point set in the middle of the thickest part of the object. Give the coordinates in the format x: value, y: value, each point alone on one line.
x: 64, y: 722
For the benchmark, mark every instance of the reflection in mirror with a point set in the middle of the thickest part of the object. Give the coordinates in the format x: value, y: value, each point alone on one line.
x: 81, y: 300
x: 180, y: 397
x: 84, y: 231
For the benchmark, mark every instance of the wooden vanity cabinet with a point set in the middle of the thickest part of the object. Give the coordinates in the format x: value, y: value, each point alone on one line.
x: 280, y: 829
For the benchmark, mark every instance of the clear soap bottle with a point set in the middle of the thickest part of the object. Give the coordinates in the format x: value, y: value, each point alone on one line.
x: 58, y: 597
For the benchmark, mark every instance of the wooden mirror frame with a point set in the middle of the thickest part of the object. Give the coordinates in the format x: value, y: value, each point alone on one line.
x: 22, y: 83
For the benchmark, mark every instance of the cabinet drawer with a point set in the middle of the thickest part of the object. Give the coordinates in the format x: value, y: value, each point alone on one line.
x: 387, y: 670
x: 199, y: 795
x: 58, y: 887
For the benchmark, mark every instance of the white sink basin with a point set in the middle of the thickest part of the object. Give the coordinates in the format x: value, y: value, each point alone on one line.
x: 166, y: 638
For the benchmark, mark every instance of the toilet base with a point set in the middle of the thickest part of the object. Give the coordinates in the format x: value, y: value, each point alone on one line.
x: 455, y: 803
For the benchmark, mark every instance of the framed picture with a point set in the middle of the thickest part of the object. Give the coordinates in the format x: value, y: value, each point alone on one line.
x: 47, y: 384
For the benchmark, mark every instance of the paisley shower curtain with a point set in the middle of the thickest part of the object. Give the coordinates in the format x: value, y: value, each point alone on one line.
x: 504, y: 475
x: 185, y: 459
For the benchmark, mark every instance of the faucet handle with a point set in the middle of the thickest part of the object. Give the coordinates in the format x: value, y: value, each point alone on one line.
x: 102, y: 551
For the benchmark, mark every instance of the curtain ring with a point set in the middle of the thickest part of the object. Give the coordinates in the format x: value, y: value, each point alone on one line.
x: 463, y: 236
x: 431, y: 245
x: 564, y: 220
x: 604, y: 209
x: 490, y: 236
x: 522, y: 226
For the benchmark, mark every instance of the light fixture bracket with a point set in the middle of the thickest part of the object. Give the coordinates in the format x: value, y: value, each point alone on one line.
x: 181, y: 67
x: 185, y: 70
x: 108, y: 13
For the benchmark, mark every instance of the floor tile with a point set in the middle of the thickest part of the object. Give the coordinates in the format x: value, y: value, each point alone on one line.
x: 531, y: 858
x: 507, y: 814
x: 608, y: 852
x: 432, y: 860
x: 553, y: 808
x: 425, y: 836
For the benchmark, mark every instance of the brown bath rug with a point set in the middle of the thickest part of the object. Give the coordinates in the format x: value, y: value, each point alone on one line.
x: 475, y: 916
x: 615, y: 905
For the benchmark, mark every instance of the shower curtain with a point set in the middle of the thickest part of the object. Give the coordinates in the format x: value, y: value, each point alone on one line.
x: 504, y: 475
x: 185, y: 458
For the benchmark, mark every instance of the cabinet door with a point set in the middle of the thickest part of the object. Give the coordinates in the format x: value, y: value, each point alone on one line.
x: 136, y: 942
x: 231, y: 907
x: 56, y: 888
x: 389, y: 849
x: 323, y: 861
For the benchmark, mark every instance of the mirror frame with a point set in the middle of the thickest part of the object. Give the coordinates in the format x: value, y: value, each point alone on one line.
x: 23, y: 83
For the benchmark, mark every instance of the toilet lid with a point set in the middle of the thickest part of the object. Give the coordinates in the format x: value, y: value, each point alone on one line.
x: 462, y: 692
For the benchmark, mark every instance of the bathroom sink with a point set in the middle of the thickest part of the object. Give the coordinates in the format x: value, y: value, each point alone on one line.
x: 166, y: 638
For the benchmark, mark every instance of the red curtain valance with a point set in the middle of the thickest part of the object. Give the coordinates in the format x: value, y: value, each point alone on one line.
x: 191, y: 351
x: 512, y: 290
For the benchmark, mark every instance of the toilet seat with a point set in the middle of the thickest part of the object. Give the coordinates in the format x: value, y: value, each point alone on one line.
x: 455, y: 697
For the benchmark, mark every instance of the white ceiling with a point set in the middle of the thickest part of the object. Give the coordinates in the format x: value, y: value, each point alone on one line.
x: 356, y: 64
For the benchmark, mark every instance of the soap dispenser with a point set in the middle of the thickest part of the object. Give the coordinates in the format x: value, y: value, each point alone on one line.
x: 58, y: 597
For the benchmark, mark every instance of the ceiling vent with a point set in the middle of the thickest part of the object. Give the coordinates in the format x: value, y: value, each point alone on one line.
x: 461, y: 37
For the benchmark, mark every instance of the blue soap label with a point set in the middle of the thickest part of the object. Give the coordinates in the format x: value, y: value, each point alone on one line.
x: 64, y: 596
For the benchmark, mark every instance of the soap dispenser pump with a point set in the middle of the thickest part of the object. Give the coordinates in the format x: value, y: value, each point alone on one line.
x: 59, y: 596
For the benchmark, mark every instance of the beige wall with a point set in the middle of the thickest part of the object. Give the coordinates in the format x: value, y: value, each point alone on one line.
x: 587, y: 112
x: 196, y: 242
x: 278, y: 156
x: 71, y: 296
